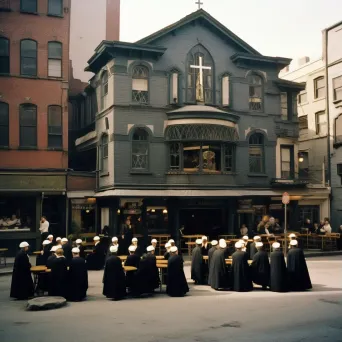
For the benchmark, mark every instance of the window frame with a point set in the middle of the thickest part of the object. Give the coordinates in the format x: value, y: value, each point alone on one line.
x: 6, y: 106
x: 52, y: 133
x: 316, y: 88
x: 300, y: 97
x: 174, y: 75
x: 300, y: 122
x: 104, y: 89
x: 104, y: 152
x: 55, y: 58
x: 318, y: 124
x: 335, y: 88
x: 54, y: 14
x: 147, y: 155
x: 22, y: 2
x: 223, y: 90
x: 22, y: 106
x: 6, y: 57
x: 147, y: 78
x: 252, y: 85
x: 262, y: 158
x: 21, y: 58
x: 291, y: 153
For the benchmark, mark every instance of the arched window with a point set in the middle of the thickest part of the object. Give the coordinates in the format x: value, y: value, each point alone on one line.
x: 104, y: 152
x: 200, y: 75
x: 55, y: 59
x: 55, y: 8
x: 256, y: 153
x: 255, y: 92
x: 55, y: 128
x: 140, y: 77
x: 140, y: 150
x: 104, y: 89
x: 4, y: 56
x: 28, y: 125
x: 4, y: 124
x: 28, y: 57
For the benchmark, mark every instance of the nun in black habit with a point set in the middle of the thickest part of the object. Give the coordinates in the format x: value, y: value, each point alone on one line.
x: 252, y: 247
x: 59, y: 275
x: 197, y: 263
x: 96, y: 260
x: 242, y: 281
x: 278, y: 277
x: 211, y: 251
x: 297, y: 270
x: 114, y: 282
x: 177, y: 285
x: 67, y: 250
x: 22, y: 284
x: 260, y: 267
x: 134, y: 261
x: 155, y: 281
x: 81, y: 248
x: 77, y: 277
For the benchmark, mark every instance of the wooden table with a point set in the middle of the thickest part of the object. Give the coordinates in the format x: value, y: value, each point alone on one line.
x: 162, y: 239
x: 3, y: 255
x: 129, y: 268
x: 162, y: 262
x: 160, y: 257
x: 190, y: 242
x: 36, y: 271
x: 230, y: 261
x: 37, y: 252
x: 123, y: 257
x: 161, y: 275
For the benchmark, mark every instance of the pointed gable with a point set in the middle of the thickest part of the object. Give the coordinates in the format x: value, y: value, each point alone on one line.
x: 206, y: 19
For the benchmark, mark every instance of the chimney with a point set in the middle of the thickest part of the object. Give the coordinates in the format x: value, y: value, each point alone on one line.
x: 303, y: 60
x: 112, y: 19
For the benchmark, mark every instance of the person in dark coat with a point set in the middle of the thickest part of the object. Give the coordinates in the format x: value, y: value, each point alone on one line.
x: 96, y: 260
x: 260, y: 267
x: 252, y: 247
x: 126, y: 235
x: 114, y: 281
x: 51, y: 257
x: 155, y: 281
x: 77, y: 277
x: 177, y: 285
x: 167, y: 253
x: 22, y: 284
x: 242, y: 281
x: 197, y: 263
x: 211, y: 251
x: 205, y: 246
x: 297, y: 270
x: 134, y: 261
x: 218, y: 271
x: 67, y: 249
x: 79, y: 245
x: 44, y: 254
x: 59, y: 275
x: 278, y: 276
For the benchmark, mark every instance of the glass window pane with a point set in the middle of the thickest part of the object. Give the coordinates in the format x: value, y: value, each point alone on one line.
x: 28, y: 48
x: 320, y: 83
x: 29, y: 66
x: 4, y: 47
x: 28, y: 116
x: 55, y: 7
x: 211, y: 155
x: 140, y: 84
x: 55, y: 141
x: 285, y: 155
x: 336, y: 81
x: 4, y: 135
x: 140, y: 134
x: 55, y: 68
x: 28, y: 136
x: 191, y: 157
x: 3, y: 113
x: 55, y: 116
x: 4, y: 65
x: 29, y: 5
x: 55, y: 50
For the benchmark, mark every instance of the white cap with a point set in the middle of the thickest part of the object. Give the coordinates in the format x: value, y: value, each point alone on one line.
x: 256, y: 238
x: 75, y: 250
x: 259, y: 244
x: 50, y: 236
x: 238, y: 245
x: 198, y: 241
x: 64, y: 240
x: 214, y: 243
x: 150, y: 248
x: 171, y: 241
x: 53, y: 249
x: 245, y: 237
x: 24, y: 244
x: 173, y: 249
x: 154, y: 241
x: 222, y: 243
x: 79, y: 241
x: 292, y: 235
x: 115, y: 239
x: 242, y: 242
x: 46, y: 242
x: 96, y: 238
x: 167, y: 245
x: 276, y: 245
x: 134, y: 240
x: 132, y: 248
x: 204, y: 238
x: 293, y: 242
x: 113, y: 249
x: 58, y: 239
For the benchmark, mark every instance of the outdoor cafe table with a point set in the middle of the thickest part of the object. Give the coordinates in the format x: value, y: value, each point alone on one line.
x: 230, y: 261
x: 190, y: 242
x: 123, y: 257
x: 36, y: 271
x: 129, y: 268
x: 37, y: 252
x: 161, y: 274
x: 161, y: 238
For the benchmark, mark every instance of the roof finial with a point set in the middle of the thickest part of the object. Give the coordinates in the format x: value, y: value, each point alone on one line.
x: 199, y: 3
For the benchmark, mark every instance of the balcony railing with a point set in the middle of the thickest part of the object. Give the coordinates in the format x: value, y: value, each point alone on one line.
x: 5, y: 5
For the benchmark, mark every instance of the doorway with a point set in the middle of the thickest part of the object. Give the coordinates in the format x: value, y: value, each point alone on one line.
x: 202, y: 221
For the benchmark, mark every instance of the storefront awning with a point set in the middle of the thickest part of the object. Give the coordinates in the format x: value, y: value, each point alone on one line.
x: 80, y: 194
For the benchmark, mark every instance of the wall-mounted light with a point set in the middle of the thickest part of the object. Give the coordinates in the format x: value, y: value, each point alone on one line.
x: 87, y: 211
x: 118, y: 211
x: 164, y: 211
x: 300, y: 157
x: 153, y: 210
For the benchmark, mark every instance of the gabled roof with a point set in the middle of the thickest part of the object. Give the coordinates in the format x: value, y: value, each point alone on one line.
x: 200, y: 14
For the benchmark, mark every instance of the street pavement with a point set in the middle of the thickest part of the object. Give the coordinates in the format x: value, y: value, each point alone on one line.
x: 202, y: 316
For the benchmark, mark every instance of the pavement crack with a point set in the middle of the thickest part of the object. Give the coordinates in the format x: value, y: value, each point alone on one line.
x: 329, y: 301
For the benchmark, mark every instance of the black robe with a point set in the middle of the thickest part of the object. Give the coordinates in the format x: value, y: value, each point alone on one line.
x: 82, y: 253
x: 177, y: 285
x: 260, y: 268
x: 22, y: 284
x: 297, y: 270
x: 197, y: 265
x: 96, y: 260
x: 139, y: 251
x: 166, y: 255
x: 58, y: 277
x: 205, y: 250
x: 50, y: 260
x: 114, y: 282
x: 67, y: 252
x: 42, y: 258
x: 252, y: 250
x: 155, y: 281
x: 77, y: 279
x: 218, y: 271
x: 143, y: 278
x: 242, y: 281
x: 132, y: 260
x: 278, y: 278
x: 210, y: 254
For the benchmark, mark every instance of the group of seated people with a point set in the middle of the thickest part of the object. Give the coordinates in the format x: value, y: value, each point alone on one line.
x: 67, y: 270
x: 10, y: 222
x: 239, y: 276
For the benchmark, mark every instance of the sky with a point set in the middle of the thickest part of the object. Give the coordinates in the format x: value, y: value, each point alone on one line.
x: 291, y: 28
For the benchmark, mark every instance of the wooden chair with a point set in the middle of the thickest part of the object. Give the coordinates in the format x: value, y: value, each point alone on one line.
x: 330, y: 241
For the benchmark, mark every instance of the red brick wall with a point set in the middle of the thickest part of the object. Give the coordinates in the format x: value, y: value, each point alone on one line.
x: 113, y: 20
x: 41, y: 90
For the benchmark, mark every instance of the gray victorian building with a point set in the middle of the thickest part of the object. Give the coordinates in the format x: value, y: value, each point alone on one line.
x: 192, y: 128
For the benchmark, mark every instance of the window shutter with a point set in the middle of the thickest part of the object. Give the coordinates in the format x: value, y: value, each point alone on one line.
x: 225, y: 91
x: 55, y: 68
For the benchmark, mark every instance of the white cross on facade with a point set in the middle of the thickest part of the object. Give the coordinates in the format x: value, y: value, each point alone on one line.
x: 199, y: 3
x: 201, y: 67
